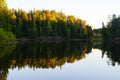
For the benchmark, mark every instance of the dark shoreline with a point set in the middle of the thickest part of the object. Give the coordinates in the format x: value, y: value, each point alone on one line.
x: 58, y: 39
x: 51, y: 39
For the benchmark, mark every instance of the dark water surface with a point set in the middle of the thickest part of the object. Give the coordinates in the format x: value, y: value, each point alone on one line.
x: 60, y: 61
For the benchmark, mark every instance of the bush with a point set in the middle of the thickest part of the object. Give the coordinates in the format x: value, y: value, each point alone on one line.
x: 6, y: 36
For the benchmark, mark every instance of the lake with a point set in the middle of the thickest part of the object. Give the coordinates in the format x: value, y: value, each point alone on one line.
x: 60, y: 61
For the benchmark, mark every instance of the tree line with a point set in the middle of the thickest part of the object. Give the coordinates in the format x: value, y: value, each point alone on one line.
x: 42, y: 23
x: 5, y: 26
x: 112, y: 29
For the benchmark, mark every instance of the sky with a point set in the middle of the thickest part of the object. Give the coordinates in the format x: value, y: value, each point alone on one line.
x: 93, y: 11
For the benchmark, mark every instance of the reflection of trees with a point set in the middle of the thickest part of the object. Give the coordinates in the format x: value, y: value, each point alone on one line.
x: 113, y: 53
x: 41, y: 55
x: 47, y: 55
x: 3, y: 75
x: 5, y: 52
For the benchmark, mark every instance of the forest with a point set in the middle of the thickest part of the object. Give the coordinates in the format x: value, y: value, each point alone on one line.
x: 110, y: 31
x: 37, y: 24
x: 44, y: 24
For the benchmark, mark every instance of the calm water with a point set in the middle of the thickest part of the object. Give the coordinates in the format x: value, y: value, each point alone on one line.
x: 60, y: 61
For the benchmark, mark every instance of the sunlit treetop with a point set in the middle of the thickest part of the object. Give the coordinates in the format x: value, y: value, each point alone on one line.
x: 3, y: 6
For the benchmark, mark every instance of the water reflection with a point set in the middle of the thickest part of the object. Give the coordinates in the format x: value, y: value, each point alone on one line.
x: 41, y: 55
x: 51, y: 55
x: 47, y: 55
x: 5, y: 52
x: 112, y: 51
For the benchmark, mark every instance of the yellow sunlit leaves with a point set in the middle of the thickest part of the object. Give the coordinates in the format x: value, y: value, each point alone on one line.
x: 13, y: 17
x: 71, y: 19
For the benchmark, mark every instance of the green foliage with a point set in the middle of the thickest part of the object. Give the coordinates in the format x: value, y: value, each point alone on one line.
x: 97, y: 33
x: 6, y: 36
x: 112, y: 29
x: 42, y: 23
x: 45, y: 23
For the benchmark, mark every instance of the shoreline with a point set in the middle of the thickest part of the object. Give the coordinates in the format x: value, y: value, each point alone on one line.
x: 57, y: 39
x: 51, y: 39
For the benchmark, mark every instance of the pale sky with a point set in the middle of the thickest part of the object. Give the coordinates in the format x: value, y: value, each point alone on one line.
x: 93, y: 11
